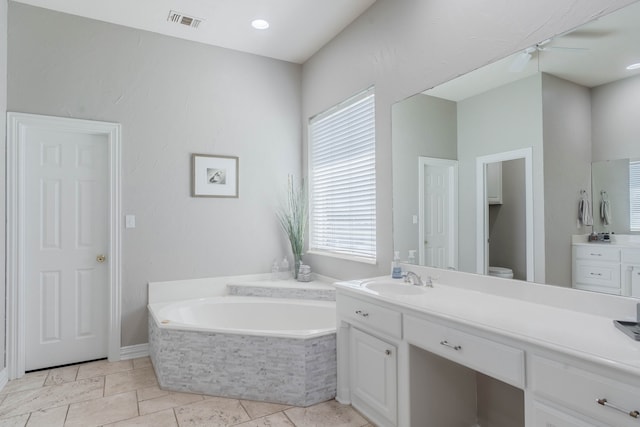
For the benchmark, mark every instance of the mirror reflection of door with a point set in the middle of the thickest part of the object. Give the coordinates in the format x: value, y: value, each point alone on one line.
x: 506, y: 199
x: 438, y: 212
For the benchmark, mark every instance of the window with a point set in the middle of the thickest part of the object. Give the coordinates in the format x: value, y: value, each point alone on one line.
x: 634, y: 194
x: 342, y: 177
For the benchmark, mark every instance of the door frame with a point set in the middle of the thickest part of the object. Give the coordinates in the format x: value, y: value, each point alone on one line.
x: 482, y: 207
x: 17, y: 126
x: 452, y: 165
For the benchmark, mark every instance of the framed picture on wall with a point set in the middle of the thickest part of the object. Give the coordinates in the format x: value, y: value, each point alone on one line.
x: 214, y: 176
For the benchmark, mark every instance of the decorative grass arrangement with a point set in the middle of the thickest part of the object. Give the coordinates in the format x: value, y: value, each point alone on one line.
x: 293, y: 219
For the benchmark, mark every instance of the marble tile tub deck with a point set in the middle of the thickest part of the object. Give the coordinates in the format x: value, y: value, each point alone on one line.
x: 126, y: 393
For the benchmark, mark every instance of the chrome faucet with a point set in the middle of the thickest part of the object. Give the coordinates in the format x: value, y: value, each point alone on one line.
x: 416, y: 280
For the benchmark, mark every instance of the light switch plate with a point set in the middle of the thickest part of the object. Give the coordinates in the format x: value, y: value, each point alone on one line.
x: 130, y: 221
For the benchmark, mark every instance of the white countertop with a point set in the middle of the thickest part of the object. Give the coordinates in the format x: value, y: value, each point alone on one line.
x: 578, y: 334
x: 616, y: 240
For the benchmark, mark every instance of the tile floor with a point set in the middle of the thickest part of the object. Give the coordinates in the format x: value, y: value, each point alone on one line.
x: 126, y: 393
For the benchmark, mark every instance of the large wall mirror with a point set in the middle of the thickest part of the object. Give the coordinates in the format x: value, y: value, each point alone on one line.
x: 489, y: 169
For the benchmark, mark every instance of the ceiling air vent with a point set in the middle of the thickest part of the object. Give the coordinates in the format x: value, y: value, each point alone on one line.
x: 181, y: 18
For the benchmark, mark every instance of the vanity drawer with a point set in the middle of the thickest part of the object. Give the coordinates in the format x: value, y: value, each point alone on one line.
x: 370, y: 316
x: 598, y: 252
x: 580, y: 391
x: 489, y: 357
x: 601, y: 274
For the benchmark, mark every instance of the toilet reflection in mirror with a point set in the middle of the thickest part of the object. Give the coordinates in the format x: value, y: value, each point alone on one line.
x: 505, y: 215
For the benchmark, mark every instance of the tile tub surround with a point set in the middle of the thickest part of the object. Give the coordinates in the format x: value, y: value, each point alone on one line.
x: 276, y: 289
x: 177, y: 290
x: 293, y: 371
x: 68, y: 396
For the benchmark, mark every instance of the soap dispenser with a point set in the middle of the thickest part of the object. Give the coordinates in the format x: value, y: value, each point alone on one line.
x: 396, y: 271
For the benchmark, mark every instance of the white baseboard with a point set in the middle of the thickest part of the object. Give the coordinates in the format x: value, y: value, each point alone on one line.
x: 4, y: 378
x: 134, y: 351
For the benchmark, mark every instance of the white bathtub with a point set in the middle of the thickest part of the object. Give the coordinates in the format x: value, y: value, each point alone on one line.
x: 249, y: 316
x: 269, y: 349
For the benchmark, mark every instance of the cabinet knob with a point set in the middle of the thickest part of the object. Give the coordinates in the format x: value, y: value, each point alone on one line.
x: 362, y: 313
x: 387, y: 352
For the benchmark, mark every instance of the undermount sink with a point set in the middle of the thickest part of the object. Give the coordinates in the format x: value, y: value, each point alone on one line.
x: 394, y: 288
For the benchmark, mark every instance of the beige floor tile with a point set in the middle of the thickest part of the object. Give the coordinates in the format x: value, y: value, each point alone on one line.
x: 23, y: 402
x: 104, y: 410
x: 18, y: 421
x: 53, y: 417
x: 29, y: 381
x: 329, y: 413
x: 141, y: 362
x: 260, y: 409
x: 103, y: 367
x: 170, y: 400
x: 274, y: 420
x: 212, y: 412
x: 164, y: 418
x: 129, y: 380
x: 66, y: 374
x: 151, y: 393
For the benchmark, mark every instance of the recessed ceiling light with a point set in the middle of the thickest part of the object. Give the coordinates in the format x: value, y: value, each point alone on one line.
x: 259, y: 24
x: 633, y: 66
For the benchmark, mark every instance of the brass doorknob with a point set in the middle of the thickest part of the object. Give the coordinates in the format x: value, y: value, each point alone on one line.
x: 101, y: 258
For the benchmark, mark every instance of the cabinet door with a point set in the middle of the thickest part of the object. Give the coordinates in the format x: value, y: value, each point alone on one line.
x: 631, y: 280
x: 374, y: 373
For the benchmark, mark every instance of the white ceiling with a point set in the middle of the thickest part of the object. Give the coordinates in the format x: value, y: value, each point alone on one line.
x: 591, y: 55
x: 299, y: 28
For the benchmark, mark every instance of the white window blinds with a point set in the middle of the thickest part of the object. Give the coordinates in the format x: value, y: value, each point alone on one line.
x: 634, y: 194
x: 343, y: 179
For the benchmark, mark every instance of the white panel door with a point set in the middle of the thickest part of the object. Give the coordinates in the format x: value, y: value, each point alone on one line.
x: 66, y: 242
x: 437, y: 216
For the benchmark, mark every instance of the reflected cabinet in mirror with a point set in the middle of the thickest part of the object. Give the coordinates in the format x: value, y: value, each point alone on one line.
x: 509, y: 169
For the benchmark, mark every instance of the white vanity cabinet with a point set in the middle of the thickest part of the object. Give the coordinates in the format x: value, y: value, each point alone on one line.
x: 368, y: 334
x: 596, y: 267
x: 566, y: 394
x: 631, y: 272
x: 457, y: 357
x: 606, y: 268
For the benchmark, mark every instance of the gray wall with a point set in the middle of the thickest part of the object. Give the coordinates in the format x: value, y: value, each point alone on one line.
x: 615, y: 120
x: 611, y: 176
x: 567, y: 166
x: 3, y: 118
x: 504, y: 119
x: 507, y: 222
x: 173, y: 98
x: 404, y: 47
x: 421, y: 126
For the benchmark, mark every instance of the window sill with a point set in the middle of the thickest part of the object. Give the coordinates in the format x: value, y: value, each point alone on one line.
x: 344, y: 257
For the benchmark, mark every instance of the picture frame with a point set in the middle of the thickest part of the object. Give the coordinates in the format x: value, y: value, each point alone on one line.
x: 214, y: 176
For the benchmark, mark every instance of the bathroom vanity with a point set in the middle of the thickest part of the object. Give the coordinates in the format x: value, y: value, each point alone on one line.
x: 612, y: 268
x: 475, y: 350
